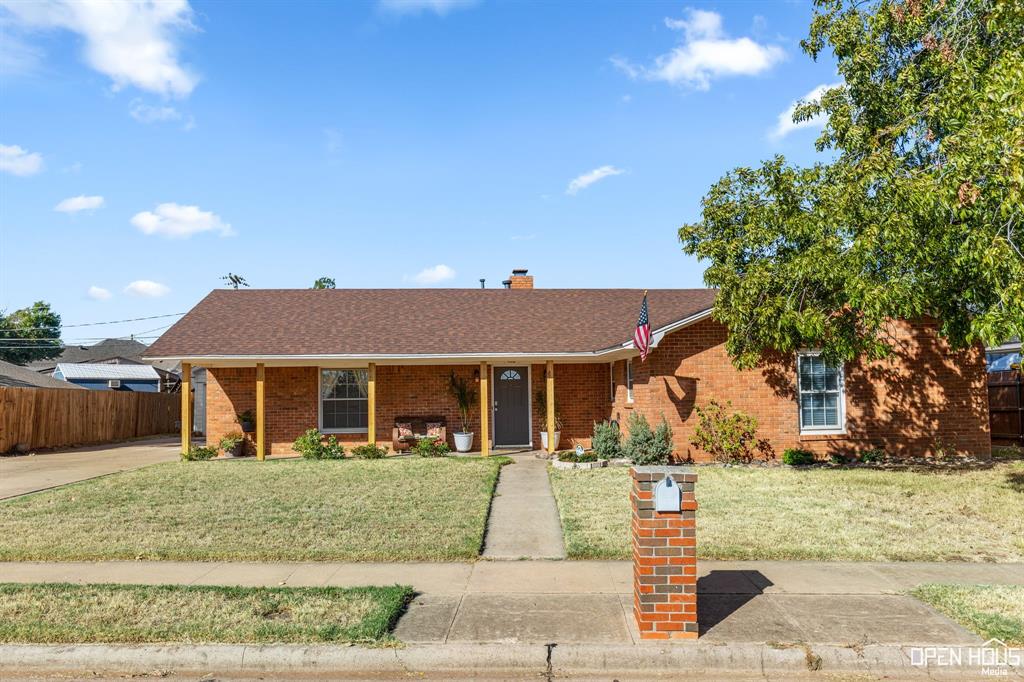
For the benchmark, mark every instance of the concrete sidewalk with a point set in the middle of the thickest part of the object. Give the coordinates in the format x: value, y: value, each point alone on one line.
x: 524, y: 523
x: 590, y: 602
x: 23, y: 474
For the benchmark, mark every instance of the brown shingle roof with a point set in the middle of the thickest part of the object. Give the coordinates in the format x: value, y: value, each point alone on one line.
x: 418, y: 321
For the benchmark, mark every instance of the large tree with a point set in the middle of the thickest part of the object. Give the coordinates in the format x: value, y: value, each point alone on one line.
x: 30, y: 334
x: 917, y: 210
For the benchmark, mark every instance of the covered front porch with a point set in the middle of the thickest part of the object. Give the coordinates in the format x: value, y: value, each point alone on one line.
x: 519, y: 403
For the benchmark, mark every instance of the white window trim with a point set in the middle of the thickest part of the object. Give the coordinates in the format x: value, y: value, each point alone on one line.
x: 629, y: 380
x: 821, y: 430
x: 320, y: 401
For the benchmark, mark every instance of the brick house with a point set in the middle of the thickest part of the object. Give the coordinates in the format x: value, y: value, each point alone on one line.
x: 351, y: 361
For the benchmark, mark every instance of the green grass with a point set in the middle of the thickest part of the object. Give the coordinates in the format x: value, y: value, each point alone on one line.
x: 818, y: 514
x: 64, y: 613
x: 987, y: 610
x: 402, y: 509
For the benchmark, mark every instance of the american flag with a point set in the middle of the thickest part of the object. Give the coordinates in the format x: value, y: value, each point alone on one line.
x: 642, y: 335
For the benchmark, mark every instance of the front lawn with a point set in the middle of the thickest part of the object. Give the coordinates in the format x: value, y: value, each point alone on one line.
x: 63, y: 613
x: 815, y: 514
x: 987, y: 610
x: 402, y: 509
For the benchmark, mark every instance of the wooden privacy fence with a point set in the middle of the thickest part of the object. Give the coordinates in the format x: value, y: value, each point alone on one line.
x: 57, y: 417
x: 1006, y: 407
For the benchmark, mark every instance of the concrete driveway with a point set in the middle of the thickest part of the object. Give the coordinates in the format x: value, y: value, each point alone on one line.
x: 22, y: 474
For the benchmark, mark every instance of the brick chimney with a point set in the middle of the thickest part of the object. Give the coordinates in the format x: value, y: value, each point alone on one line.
x: 520, y: 280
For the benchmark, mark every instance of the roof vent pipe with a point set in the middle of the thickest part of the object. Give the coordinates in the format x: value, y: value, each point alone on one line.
x: 483, y: 283
x: 507, y: 283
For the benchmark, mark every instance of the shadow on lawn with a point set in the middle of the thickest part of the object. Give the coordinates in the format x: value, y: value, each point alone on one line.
x: 721, y: 593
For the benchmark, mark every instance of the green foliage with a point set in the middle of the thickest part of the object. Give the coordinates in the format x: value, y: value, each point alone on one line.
x: 196, y: 453
x: 369, y: 452
x: 541, y: 400
x: 728, y: 436
x: 324, y: 283
x: 797, y: 457
x: 871, y: 456
x: 606, y: 440
x: 464, y: 395
x: 311, y: 445
x: 30, y: 334
x: 919, y: 210
x: 837, y: 458
x: 430, y: 447
x: 229, y: 441
x: 644, y: 446
x: 571, y: 456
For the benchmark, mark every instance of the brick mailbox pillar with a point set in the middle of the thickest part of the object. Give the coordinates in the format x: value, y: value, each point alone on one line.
x: 664, y: 554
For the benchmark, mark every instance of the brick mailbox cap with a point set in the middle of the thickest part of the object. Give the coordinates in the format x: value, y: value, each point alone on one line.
x: 681, y: 474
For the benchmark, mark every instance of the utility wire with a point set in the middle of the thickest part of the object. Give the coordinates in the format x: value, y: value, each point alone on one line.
x: 90, y: 324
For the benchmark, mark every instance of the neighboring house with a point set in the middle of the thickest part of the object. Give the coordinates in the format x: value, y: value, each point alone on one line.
x: 112, y: 352
x: 16, y: 376
x: 343, y: 360
x: 112, y: 377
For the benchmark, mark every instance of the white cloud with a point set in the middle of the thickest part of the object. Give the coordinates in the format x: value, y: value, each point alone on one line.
x: 590, y: 177
x: 18, y: 161
x: 145, y: 113
x: 79, y: 203
x: 100, y: 294
x: 785, y: 124
x: 146, y: 287
x: 17, y: 57
x: 438, y: 7
x: 433, y: 275
x: 704, y: 54
x: 175, y: 220
x: 134, y: 43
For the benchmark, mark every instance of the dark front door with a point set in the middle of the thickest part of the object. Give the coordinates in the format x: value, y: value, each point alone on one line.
x: 511, y: 406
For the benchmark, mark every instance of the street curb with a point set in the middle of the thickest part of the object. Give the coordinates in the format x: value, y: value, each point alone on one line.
x: 494, y: 658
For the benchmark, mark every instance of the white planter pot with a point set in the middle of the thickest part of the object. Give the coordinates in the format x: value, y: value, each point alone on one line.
x: 544, y: 440
x: 463, y: 441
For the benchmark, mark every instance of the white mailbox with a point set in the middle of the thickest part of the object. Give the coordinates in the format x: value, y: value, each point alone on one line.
x: 666, y: 495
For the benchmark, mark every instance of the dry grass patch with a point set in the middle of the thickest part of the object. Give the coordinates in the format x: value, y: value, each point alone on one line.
x: 64, y: 613
x: 403, y: 509
x: 815, y: 514
x: 987, y: 610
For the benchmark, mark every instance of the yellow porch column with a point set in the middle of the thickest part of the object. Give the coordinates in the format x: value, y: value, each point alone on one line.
x: 485, y: 412
x: 186, y: 406
x: 550, y: 381
x: 371, y: 404
x: 261, y: 413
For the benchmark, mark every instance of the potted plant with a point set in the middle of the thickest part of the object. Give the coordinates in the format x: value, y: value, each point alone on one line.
x: 464, y: 396
x: 247, y: 421
x: 542, y: 403
x: 233, y: 444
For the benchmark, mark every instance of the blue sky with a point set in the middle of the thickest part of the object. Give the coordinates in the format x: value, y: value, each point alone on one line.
x: 145, y: 150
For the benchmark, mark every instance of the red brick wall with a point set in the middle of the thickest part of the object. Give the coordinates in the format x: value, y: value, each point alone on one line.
x: 921, y: 398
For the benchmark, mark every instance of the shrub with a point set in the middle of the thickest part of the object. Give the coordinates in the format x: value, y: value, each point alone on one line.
x: 195, y: 453
x: 229, y: 441
x: 873, y: 455
x: 429, y: 447
x: 311, y: 445
x: 369, y: 452
x: 571, y: 456
x: 797, y: 457
x: 607, y: 440
x: 728, y: 437
x: 644, y: 446
x: 837, y: 458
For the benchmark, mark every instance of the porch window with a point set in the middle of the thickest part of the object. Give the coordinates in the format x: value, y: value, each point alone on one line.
x: 343, y: 401
x: 822, y: 395
x: 629, y: 381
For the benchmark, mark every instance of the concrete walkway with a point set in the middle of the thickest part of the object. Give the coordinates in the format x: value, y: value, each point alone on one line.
x: 590, y: 602
x: 524, y: 522
x: 23, y: 474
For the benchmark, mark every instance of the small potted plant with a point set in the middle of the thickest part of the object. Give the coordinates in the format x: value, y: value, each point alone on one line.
x: 233, y: 444
x: 247, y: 421
x: 542, y: 403
x: 464, y: 396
